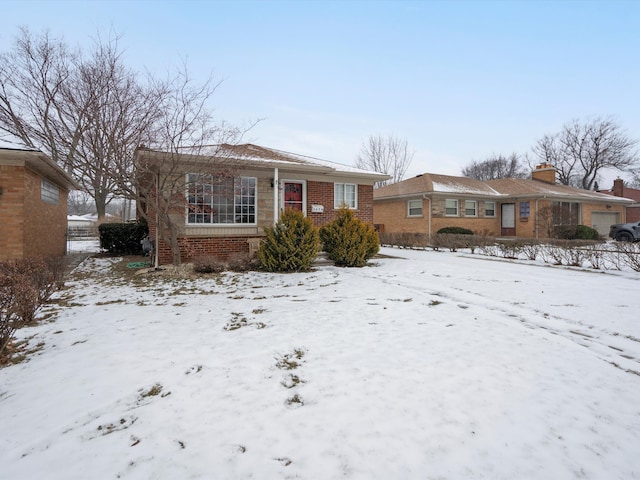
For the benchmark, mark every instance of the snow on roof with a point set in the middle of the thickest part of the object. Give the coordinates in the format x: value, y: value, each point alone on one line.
x: 14, y: 143
x: 255, y: 153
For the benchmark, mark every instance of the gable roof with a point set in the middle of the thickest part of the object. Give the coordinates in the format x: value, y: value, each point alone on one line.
x: 250, y: 155
x: 432, y: 184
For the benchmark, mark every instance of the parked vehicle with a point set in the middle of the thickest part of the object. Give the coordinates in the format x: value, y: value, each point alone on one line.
x: 625, y: 232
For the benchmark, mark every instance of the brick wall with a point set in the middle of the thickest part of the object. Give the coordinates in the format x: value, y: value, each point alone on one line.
x: 321, y: 193
x: 11, y: 212
x: 45, y: 228
x: 29, y: 226
x: 192, y: 248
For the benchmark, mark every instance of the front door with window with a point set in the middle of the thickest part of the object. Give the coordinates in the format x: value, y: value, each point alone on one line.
x: 508, y: 211
x: 293, y: 195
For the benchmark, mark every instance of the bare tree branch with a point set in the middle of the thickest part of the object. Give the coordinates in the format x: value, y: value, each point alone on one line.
x: 385, y: 154
x: 496, y: 166
x: 583, y: 149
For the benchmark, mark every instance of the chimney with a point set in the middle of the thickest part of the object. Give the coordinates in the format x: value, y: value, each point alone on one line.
x: 545, y: 172
x: 618, y: 187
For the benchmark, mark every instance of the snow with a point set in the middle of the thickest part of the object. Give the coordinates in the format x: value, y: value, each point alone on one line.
x: 424, y: 365
x: 454, y: 187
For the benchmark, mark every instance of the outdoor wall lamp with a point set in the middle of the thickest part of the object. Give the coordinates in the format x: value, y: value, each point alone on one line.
x: 608, y: 206
x: 271, y: 184
x: 0, y: 190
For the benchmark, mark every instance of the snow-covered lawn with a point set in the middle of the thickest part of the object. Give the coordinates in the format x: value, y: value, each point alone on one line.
x: 429, y: 365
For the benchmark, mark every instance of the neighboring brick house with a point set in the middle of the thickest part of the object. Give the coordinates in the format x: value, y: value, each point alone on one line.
x: 619, y: 190
x: 33, y: 204
x: 526, y: 208
x: 236, y: 191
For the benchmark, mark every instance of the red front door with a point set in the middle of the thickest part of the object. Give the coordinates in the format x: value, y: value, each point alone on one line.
x: 293, y: 195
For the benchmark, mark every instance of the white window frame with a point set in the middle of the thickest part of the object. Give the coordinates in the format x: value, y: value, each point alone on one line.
x: 446, y: 207
x: 235, y: 179
x: 475, y: 208
x: 340, y: 199
x: 409, y: 208
x: 485, y: 209
x: 49, y: 192
x: 304, y: 194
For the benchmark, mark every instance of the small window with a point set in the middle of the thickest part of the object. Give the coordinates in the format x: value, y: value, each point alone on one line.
x: 451, y: 208
x: 525, y: 208
x: 489, y: 209
x: 470, y: 208
x: 49, y: 192
x: 414, y: 208
x: 345, y: 194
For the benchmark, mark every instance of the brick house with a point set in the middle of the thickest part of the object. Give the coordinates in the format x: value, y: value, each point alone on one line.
x: 33, y: 204
x: 234, y: 191
x: 620, y: 190
x: 526, y: 208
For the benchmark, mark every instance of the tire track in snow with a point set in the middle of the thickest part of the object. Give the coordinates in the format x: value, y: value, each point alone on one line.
x: 620, y: 350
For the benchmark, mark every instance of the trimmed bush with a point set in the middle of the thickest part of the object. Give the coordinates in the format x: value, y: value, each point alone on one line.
x: 456, y: 230
x: 123, y: 238
x: 586, y: 233
x: 348, y: 241
x: 291, y: 245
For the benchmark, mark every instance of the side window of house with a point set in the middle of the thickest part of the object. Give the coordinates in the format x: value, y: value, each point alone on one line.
x: 414, y: 208
x: 345, y: 194
x: 221, y: 199
x: 49, y: 192
x: 451, y: 208
x: 525, y: 209
x: 470, y: 208
x: 489, y: 209
x: 566, y: 213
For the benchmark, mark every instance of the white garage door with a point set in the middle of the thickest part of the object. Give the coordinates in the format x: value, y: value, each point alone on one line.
x: 603, y: 220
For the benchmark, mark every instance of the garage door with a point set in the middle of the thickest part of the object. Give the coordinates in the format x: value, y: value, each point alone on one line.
x: 603, y: 220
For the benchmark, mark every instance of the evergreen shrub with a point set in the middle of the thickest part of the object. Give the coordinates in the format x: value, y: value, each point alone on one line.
x: 123, y: 238
x: 456, y: 230
x: 348, y: 241
x: 291, y: 245
x: 584, y: 232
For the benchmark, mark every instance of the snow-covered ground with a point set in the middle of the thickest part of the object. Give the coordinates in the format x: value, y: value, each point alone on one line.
x: 429, y: 365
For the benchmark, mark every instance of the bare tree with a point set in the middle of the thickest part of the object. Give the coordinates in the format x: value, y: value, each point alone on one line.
x: 496, y: 166
x: 187, y: 147
x: 385, y: 154
x: 87, y: 111
x: 581, y: 150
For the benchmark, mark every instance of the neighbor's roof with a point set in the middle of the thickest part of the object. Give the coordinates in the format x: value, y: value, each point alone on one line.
x: 627, y: 192
x: 520, y: 187
x: 255, y: 155
x: 430, y: 184
x: 12, y: 153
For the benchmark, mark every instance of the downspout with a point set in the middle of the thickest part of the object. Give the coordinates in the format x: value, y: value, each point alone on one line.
x: 537, y: 218
x: 156, y: 260
x: 429, y: 216
x: 276, y: 181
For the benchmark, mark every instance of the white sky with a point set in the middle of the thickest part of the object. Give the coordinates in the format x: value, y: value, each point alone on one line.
x: 459, y: 80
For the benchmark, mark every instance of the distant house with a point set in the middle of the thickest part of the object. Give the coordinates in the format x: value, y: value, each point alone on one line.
x: 233, y: 193
x: 527, y: 208
x: 33, y: 204
x: 619, y: 190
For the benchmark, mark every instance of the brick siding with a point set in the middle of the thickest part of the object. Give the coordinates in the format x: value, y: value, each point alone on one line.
x: 29, y: 226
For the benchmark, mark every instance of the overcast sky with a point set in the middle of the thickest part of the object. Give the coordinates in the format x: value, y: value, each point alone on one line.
x: 459, y: 80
